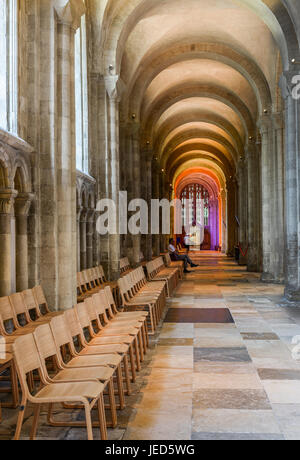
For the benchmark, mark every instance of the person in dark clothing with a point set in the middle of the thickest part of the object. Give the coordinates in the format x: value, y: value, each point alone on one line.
x: 176, y: 256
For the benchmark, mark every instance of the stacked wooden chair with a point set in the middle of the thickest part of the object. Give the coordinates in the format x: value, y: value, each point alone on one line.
x: 157, y: 271
x: 125, y: 267
x: 139, y: 294
x: 170, y: 264
x: 93, y: 280
x: 78, y: 357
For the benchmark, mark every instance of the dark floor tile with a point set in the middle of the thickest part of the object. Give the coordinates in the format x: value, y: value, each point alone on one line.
x: 232, y: 355
x: 279, y: 374
x: 259, y: 336
x: 236, y: 437
x: 199, y: 315
x: 231, y: 399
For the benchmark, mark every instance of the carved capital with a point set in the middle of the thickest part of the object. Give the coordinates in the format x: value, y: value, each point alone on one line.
x: 7, y: 200
x: 23, y: 203
x: 69, y: 12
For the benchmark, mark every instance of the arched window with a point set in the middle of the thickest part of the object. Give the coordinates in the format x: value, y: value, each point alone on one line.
x: 9, y: 65
x: 81, y: 99
x: 195, y: 205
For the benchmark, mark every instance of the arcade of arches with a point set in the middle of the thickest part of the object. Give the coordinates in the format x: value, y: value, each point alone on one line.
x: 157, y: 108
x: 152, y: 97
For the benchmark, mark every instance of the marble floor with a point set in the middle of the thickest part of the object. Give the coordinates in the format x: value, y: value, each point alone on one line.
x: 220, y: 368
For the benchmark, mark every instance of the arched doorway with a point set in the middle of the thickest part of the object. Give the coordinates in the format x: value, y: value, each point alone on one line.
x: 200, y: 216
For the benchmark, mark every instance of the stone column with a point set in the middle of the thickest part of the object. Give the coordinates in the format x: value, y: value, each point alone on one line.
x: 292, y: 180
x: 267, y: 168
x: 103, y: 172
x: 78, y: 245
x: 242, y: 209
x: 278, y: 192
x: 231, y: 221
x: 136, y: 187
x: 83, y: 239
x: 6, y: 210
x: 22, y: 206
x: 148, y: 178
x: 89, y: 238
x: 156, y: 196
x: 253, y: 208
x: 224, y: 221
x: 113, y: 87
x: 66, y: 162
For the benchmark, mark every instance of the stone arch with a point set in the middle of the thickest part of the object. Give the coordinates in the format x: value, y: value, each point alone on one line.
x: 203, y: 50
x: 157, y: 107
x: 125, y: 16
x: 199, y: 116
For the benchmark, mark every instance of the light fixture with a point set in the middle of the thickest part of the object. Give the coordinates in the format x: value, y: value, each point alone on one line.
x: 266, y: 111
x: 111, y: 68
x: 148, y: 142
x: 133, y: 116
x: 295, y: 62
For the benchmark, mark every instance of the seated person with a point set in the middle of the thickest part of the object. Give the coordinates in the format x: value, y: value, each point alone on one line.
x: 175, y: 256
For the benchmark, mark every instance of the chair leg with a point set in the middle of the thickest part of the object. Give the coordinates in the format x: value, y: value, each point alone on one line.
x: 89, y: 426
x: 132, y: 362
x: 20, y: 419
x: 102, y: 419
x: 14, y: 385
x: 140, y: 338
x: 126, y: 373
x: 120, y: 387
x: 37, y: 411
x: 112, y: 401
x: 137, y: 354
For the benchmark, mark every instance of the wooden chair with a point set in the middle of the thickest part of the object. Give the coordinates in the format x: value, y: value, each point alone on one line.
x: 133, y: 327
x: 170, y: 264
x: 64, y: 340
x: 98, y: 332
x: 135, y: 303
x: 48, y: 351
x: 27, y: 360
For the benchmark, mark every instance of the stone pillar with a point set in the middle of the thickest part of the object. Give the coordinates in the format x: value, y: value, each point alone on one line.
x: 103, y: 172
x: 22, y: 206
x: 83, y: 239
x: 78, y: 244
x: 242, y: 209
x: 66, y: 163
x: 231, y: 212
x: 6, y: 210
x: 136, y: 187
x: 89, y: 238
x: 267, y: 169
x: 292, y: 180
x: 148, y: 178
x: 113, y: 87
x: 224, y: 221
x: 278, y: 201
x: 254, y: 256
x: 156, y: 196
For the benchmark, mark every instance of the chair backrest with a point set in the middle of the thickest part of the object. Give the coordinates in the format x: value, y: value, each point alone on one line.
x: 84, y: 320
x: 31, y: 304
x: 110, y: 301
x: 100, y: 303
x: 27, y: 359
x: 61, y: 333
x: 102, y: 274
x: 45, y: 342
x: 20, y: 308
x: 9, y: 322
x: 41, y: 299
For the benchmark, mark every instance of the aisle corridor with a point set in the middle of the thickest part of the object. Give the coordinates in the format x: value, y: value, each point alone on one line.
x: 223, y: 366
